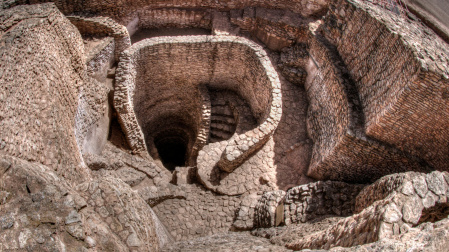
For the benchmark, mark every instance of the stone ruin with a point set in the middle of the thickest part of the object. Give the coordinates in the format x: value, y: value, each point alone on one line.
x: 224, y: 125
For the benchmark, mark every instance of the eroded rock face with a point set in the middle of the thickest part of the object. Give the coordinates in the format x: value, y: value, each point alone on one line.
x: 41, y: 102
x: 41, y: 211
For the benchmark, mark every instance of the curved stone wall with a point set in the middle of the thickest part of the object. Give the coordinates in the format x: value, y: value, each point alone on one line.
x: 161, y: 76
x: 42, y: 72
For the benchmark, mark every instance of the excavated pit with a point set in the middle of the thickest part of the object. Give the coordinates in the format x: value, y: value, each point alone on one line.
x: 172, y: 147
x: 211, y: 140
x: 168, y: 79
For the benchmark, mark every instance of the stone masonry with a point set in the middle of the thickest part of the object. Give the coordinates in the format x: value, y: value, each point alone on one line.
x: 198, y: 125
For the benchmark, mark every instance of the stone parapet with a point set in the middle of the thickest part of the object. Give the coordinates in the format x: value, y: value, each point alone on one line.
x: 104, y: 26
x: 414, y: 198
x: 310, y: 201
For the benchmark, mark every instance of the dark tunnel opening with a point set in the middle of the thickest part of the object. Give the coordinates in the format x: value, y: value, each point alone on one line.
x: 172, y: 148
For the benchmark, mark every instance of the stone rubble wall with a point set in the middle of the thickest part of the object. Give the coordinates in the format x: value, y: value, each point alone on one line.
x: 41, y: 211
x: 427, y: 237
x: 42, y: 74
x: 92, y: 118
x: 298, y: 204
x: 245, y: 217
x: 310, y: 201
x: 125, y: 9
x: 265, y: 103
x: 378, y: 191
x: 104, y: 26
x: 292, y: 63
x: 341, y: 149
x: 268, y: 211
x: 201, y: 213
x: 204, y: 124
x: 401, y: 72
x: 275, y: 28
x: 93, y: 114
x: 416, y: 200
x: 241, y: 109
x: 150, y: 18
x: 100, y: 59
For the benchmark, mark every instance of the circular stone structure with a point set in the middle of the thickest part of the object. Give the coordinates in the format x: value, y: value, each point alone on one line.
x: 162, y: 101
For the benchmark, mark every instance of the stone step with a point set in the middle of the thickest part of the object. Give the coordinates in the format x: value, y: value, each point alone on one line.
x: 223, y: 119
x: 221, y: 134
x: 222, y: 110
x: 223, y: 126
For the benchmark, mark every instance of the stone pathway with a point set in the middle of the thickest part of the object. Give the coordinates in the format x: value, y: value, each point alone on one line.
x: 232, y: 242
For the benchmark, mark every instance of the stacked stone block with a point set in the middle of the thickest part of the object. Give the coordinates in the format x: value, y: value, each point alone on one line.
x: 150, y: 18
x: 341, y: 149
x: 125, y: 9
x: 42, y: 73
x: 211, y: 68
x: 201, y: 213
x: 101, y: 26
x: 310, y: 201
x: 401, y: 70
x: 417, y: 198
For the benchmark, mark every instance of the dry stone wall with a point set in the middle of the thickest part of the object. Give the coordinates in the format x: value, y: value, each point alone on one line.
x: 224, y: 52
x: 103, y: 26
x: 275, y: 28
x: 42, y: 73
x: 150, y: 18
x: 201, y: 213
x: 93, y: 112
x: 400, y: 69
x: 311, y: 201
x: 341, y: 149
x: 354, y: 104
x: 125, y: 9
x: 418, y: 199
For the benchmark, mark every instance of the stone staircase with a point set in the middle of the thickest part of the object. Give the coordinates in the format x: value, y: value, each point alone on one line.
x: 223, y: 123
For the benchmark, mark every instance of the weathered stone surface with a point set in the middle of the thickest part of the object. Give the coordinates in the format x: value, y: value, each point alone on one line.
x: 394, y: 87
x: 387, y: 212
x: 314, y: 200
x: 436, y: 183
x: 39, y: 41
x: 266, y: 210
x: 217, y: 133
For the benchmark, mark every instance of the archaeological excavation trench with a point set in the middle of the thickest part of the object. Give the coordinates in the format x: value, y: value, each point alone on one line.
x: 224, y: 125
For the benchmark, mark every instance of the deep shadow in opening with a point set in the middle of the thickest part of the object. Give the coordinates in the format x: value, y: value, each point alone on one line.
x: 433, y: 214
x: 172, y: 148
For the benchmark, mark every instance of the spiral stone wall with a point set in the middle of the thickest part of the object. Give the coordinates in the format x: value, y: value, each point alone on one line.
x: 37, y: 109
x: 192, y: 61
x: 279, y: 95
